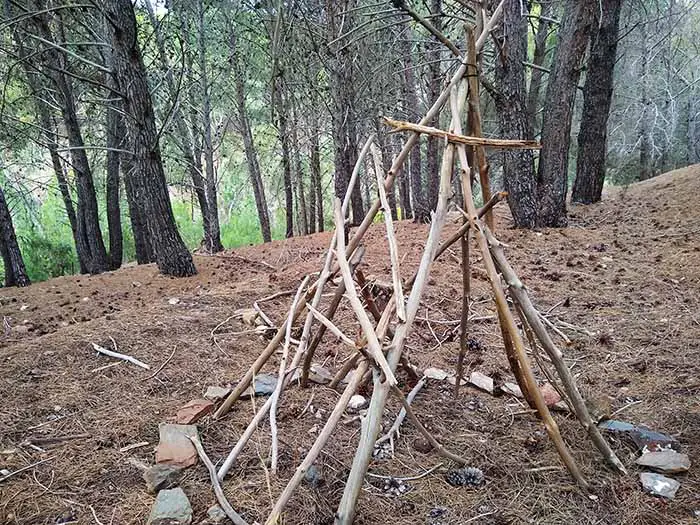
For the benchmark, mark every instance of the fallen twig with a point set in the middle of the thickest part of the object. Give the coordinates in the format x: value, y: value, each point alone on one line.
x: 220, y: 496
x: 410, y: 478
x: 23, y: 469
x: 394, y: 430
x: 117, y: 355
x: 154, y: 374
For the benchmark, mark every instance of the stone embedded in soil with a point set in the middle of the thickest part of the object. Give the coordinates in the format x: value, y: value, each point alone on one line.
x: 175, y: 448
x: 512, y: 389
x: 357, y: 402
x: 161, y: 476
x: 194, y: 411
x: 313, y: 476
x: 550, y: 394
x: 216, y: 514
x: 435, y: 373
x: 645, y: 439
x: 659, y: 485
x: 264, y: 385
x: 317, y: 374
x: 481, y: 381
x: 171, y: 508
x: 216, y: 393
x: 666, y: 461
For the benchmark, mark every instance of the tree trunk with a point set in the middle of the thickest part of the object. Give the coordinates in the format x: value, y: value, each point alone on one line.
x: 88, y: 223
x: 434, y: 88
x: 302, y: 211
x: 248, y: 144
x: 213, y: 237
x: 518, y: 171
x: 147, y: 177
x: 142, y: 239
x: 115, y: 132
x: 316, y: 182
x: 645, y: 130
x: 15, y: 272
x: 286, y: 161
x: 552, y: 174
x: 538, y: 59
x: 420, y: 211
x: 597, y: 98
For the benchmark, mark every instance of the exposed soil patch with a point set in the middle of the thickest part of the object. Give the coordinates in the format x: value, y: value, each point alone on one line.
x: 625, y: 277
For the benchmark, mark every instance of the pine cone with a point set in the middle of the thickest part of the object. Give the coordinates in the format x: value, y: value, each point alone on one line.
x: 465, y: 477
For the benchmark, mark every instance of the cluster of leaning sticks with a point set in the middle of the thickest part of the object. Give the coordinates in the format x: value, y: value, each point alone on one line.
x: 385, y: 333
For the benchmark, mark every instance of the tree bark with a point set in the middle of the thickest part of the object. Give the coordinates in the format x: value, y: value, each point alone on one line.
x: 15, y: 271
x: 597, y: 98
x: 538, y: 59
x: 433, y: 90
x: 552, y: 174
x: 316, y: 182
x: 645, y: 130
x: 518, y: 168
x: 420, y: 212
x: 247, y: 135
x: 302, y: 211
x: 87, y: 224
x: 115, y: 133
x: 213, y: 237
x: 147, y: 177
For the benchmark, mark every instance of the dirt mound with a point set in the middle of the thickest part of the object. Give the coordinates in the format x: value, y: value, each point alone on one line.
x: 621, y: 283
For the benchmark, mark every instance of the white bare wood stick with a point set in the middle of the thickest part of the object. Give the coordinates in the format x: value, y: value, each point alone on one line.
x: 346, y: 509
x: 280, y: 378
x: 393, y: 246
x: 23, y: 469
x: 218, y: 490
x: 333, y: 328
x: 554, y: 328
x: 394, y: 430
x: 117, y: 355
x: 374, y: 347
x: 263, y: 315
x: 489, y: 25
x: 318, y: 445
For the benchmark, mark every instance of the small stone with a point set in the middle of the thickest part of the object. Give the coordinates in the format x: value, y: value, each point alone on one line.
x: 659, y: 485
x: 171, y: 508
x: 247, y: 315
x: 264, y: 385
x: 319, y: 374
x: 645, y: 439
x: 4, y: 472
x: 216, y: 514
x: 422, y: 445
x: 435, y: 373
x: 665, y: 461
x: 512, y: 389
x: 216, y: 393
x: 313, y: 476
x: 550, y: 394
x: 175, y: 448
x: 194, y: 411
x: 161, y: 476
x: 173, y: 300
x: 481, y: 381
x: 357, y: 402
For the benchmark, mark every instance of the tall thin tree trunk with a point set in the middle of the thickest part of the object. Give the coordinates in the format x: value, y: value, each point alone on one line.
x: 316, y: 182
x: 645, y: 131
x: 553, y: 173
x: 139, y: 229
x: 434, y: 88
x: 147, y: 177
x: 248, y: 144
x: 597, y: 98
x: 420, y: 210
x: 302, y: 212
x: 15, y: 271
x: 214, y: 230
x: 286, y: 161
x: 114, y: 219
x: 538, y: 59
x: 518, y: 168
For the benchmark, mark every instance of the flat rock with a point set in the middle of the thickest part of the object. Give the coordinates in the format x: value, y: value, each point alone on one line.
x: 666, y: 461
x: 216, y: 393
x: 171, y: 508
x: 644, y: 438
x: 435, y: 373
x: 317, y: 374
x: 264, y: 385
x: 161, y: 476
x: 175, y: 448
x: 481, y: 381
x: 550, y: 394
x: 194, y: 411
x: 357, y: 402
x: 513, y: 389
x: 659, y: 485
x: 216, y: 514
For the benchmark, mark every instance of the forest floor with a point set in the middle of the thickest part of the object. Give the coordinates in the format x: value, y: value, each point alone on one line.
x: 626, y: 271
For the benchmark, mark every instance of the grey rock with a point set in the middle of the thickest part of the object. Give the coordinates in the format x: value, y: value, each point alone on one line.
x: 216, y: 514
x: 512, y: 389
x: 665, y: 461
x: 481, y: 381
x: 216, y: 393
x: 313, y: 476
x: 264, y: 385
x: 161, y: 476
x: 357, y: 402
x: 171, y: 508
x: 659, y: 485
x: 644, y: 438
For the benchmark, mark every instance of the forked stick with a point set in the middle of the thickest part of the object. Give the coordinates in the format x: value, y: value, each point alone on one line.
x: 394, y: 430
